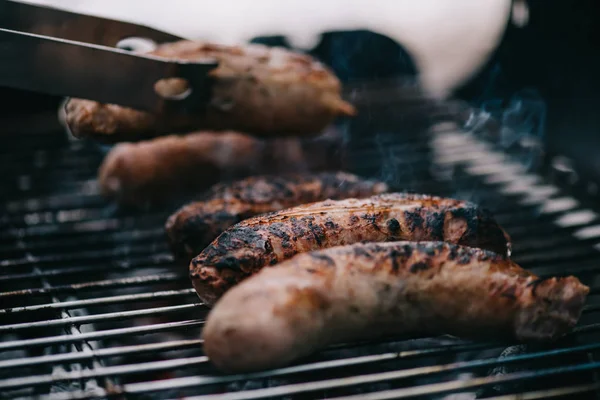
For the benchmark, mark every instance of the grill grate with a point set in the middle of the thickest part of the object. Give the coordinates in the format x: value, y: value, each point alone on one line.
x: 92, y: 305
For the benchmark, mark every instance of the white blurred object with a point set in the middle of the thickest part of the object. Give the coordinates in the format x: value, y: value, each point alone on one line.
x: 448, y: 39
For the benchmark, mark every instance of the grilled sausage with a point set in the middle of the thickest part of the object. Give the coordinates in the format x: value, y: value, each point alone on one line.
x: 269, y: 239
x: 366, y: 291
x: 257, y: 89
x: 194, y: 226
x: 161, y: 169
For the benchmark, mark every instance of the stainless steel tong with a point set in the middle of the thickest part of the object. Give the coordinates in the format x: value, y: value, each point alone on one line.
x: 52, y: 51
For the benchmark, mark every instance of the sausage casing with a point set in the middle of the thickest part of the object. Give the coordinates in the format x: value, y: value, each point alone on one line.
x: 366, y: 291
x: 271, y: 238
x: 158, y: 170
x: 194, y: 226
x: 256, y: 89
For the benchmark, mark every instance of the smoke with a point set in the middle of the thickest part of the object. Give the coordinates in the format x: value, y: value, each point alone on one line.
x: 522, y: 124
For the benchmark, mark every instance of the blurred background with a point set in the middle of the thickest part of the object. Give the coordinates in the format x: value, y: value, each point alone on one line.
x: 489, y: 53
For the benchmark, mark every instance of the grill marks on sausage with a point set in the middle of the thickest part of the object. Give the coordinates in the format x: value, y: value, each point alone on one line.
x: 419, y: 266
x: 414, y: 220
x: 194, y: 226
x: 393, y: 226
x: 387, y: 217
x: 323, y: 258
x: 313, y: 305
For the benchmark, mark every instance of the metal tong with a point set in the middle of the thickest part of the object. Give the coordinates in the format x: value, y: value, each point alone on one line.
x: 47, y: 50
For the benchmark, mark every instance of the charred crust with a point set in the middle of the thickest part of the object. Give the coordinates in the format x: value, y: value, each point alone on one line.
x: 435, y: 224
x: 229, y: 262
x: 219, y: 252
x: 329, y: 224
x: 278, y: 230
x: 414, y: 219
x: 395, y: 255
x: 464, y: 259
x: 408, y: 250
x: 268, y: 246
x: 317, y: 232
x: 393, y: 226
x: 194, y: 263
x: 297, y: 228
x: 323, y: 258
x: 428, y: 248
x: 418, y: 267
x: 359, y: 251
x: 452, y: 253
x: 370, y: 218
x: 353, y: 219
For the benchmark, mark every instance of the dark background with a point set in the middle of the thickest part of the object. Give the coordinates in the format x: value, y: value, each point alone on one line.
x: 556, y: 55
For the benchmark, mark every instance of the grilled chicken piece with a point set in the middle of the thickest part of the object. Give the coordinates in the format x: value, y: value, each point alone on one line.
x: 194, y: 226
x: 366, y: 291
x: 268, y: 239
x: 257, y: 89
x: 155, y: 171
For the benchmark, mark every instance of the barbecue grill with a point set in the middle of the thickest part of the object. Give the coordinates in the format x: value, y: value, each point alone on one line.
x: 92, y: 305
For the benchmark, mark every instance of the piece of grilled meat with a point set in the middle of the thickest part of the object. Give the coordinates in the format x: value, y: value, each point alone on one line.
x: 366, y: 291
x: 194, y: 226
x: 257, y: 89
x: 269, y: 239
x: 155, y: 171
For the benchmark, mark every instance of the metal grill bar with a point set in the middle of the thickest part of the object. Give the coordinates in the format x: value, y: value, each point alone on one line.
x: 447, y: 387
x: 431, y: 389
x: 330, y: 384
x: 100, y: 354
x: 103, y: 372
x: 99, y: 335
x: 89, y: 319
x: 102, y: 301
x: 113, y: 283
x: 74, y: 332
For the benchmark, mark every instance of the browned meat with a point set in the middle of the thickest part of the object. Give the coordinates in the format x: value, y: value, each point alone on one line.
x: 161, y: 169
x: 366, y: 291
x: 269, y: 239
x: 257, y: 89
x: 194, y: 226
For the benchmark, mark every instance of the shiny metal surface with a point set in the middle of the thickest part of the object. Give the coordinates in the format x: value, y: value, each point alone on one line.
x: 63, y: 24
x: 66, y: 54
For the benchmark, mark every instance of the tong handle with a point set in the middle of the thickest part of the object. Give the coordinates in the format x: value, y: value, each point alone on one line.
x: 68, y: 54
x: 107, y: 75
x: 53, y: 22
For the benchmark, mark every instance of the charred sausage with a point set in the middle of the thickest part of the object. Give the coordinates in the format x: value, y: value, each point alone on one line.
x: 269, y: 239
x: 257, y: 89
x: 365, y: 291
x: 155, y: 171
x: 194, y: 226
